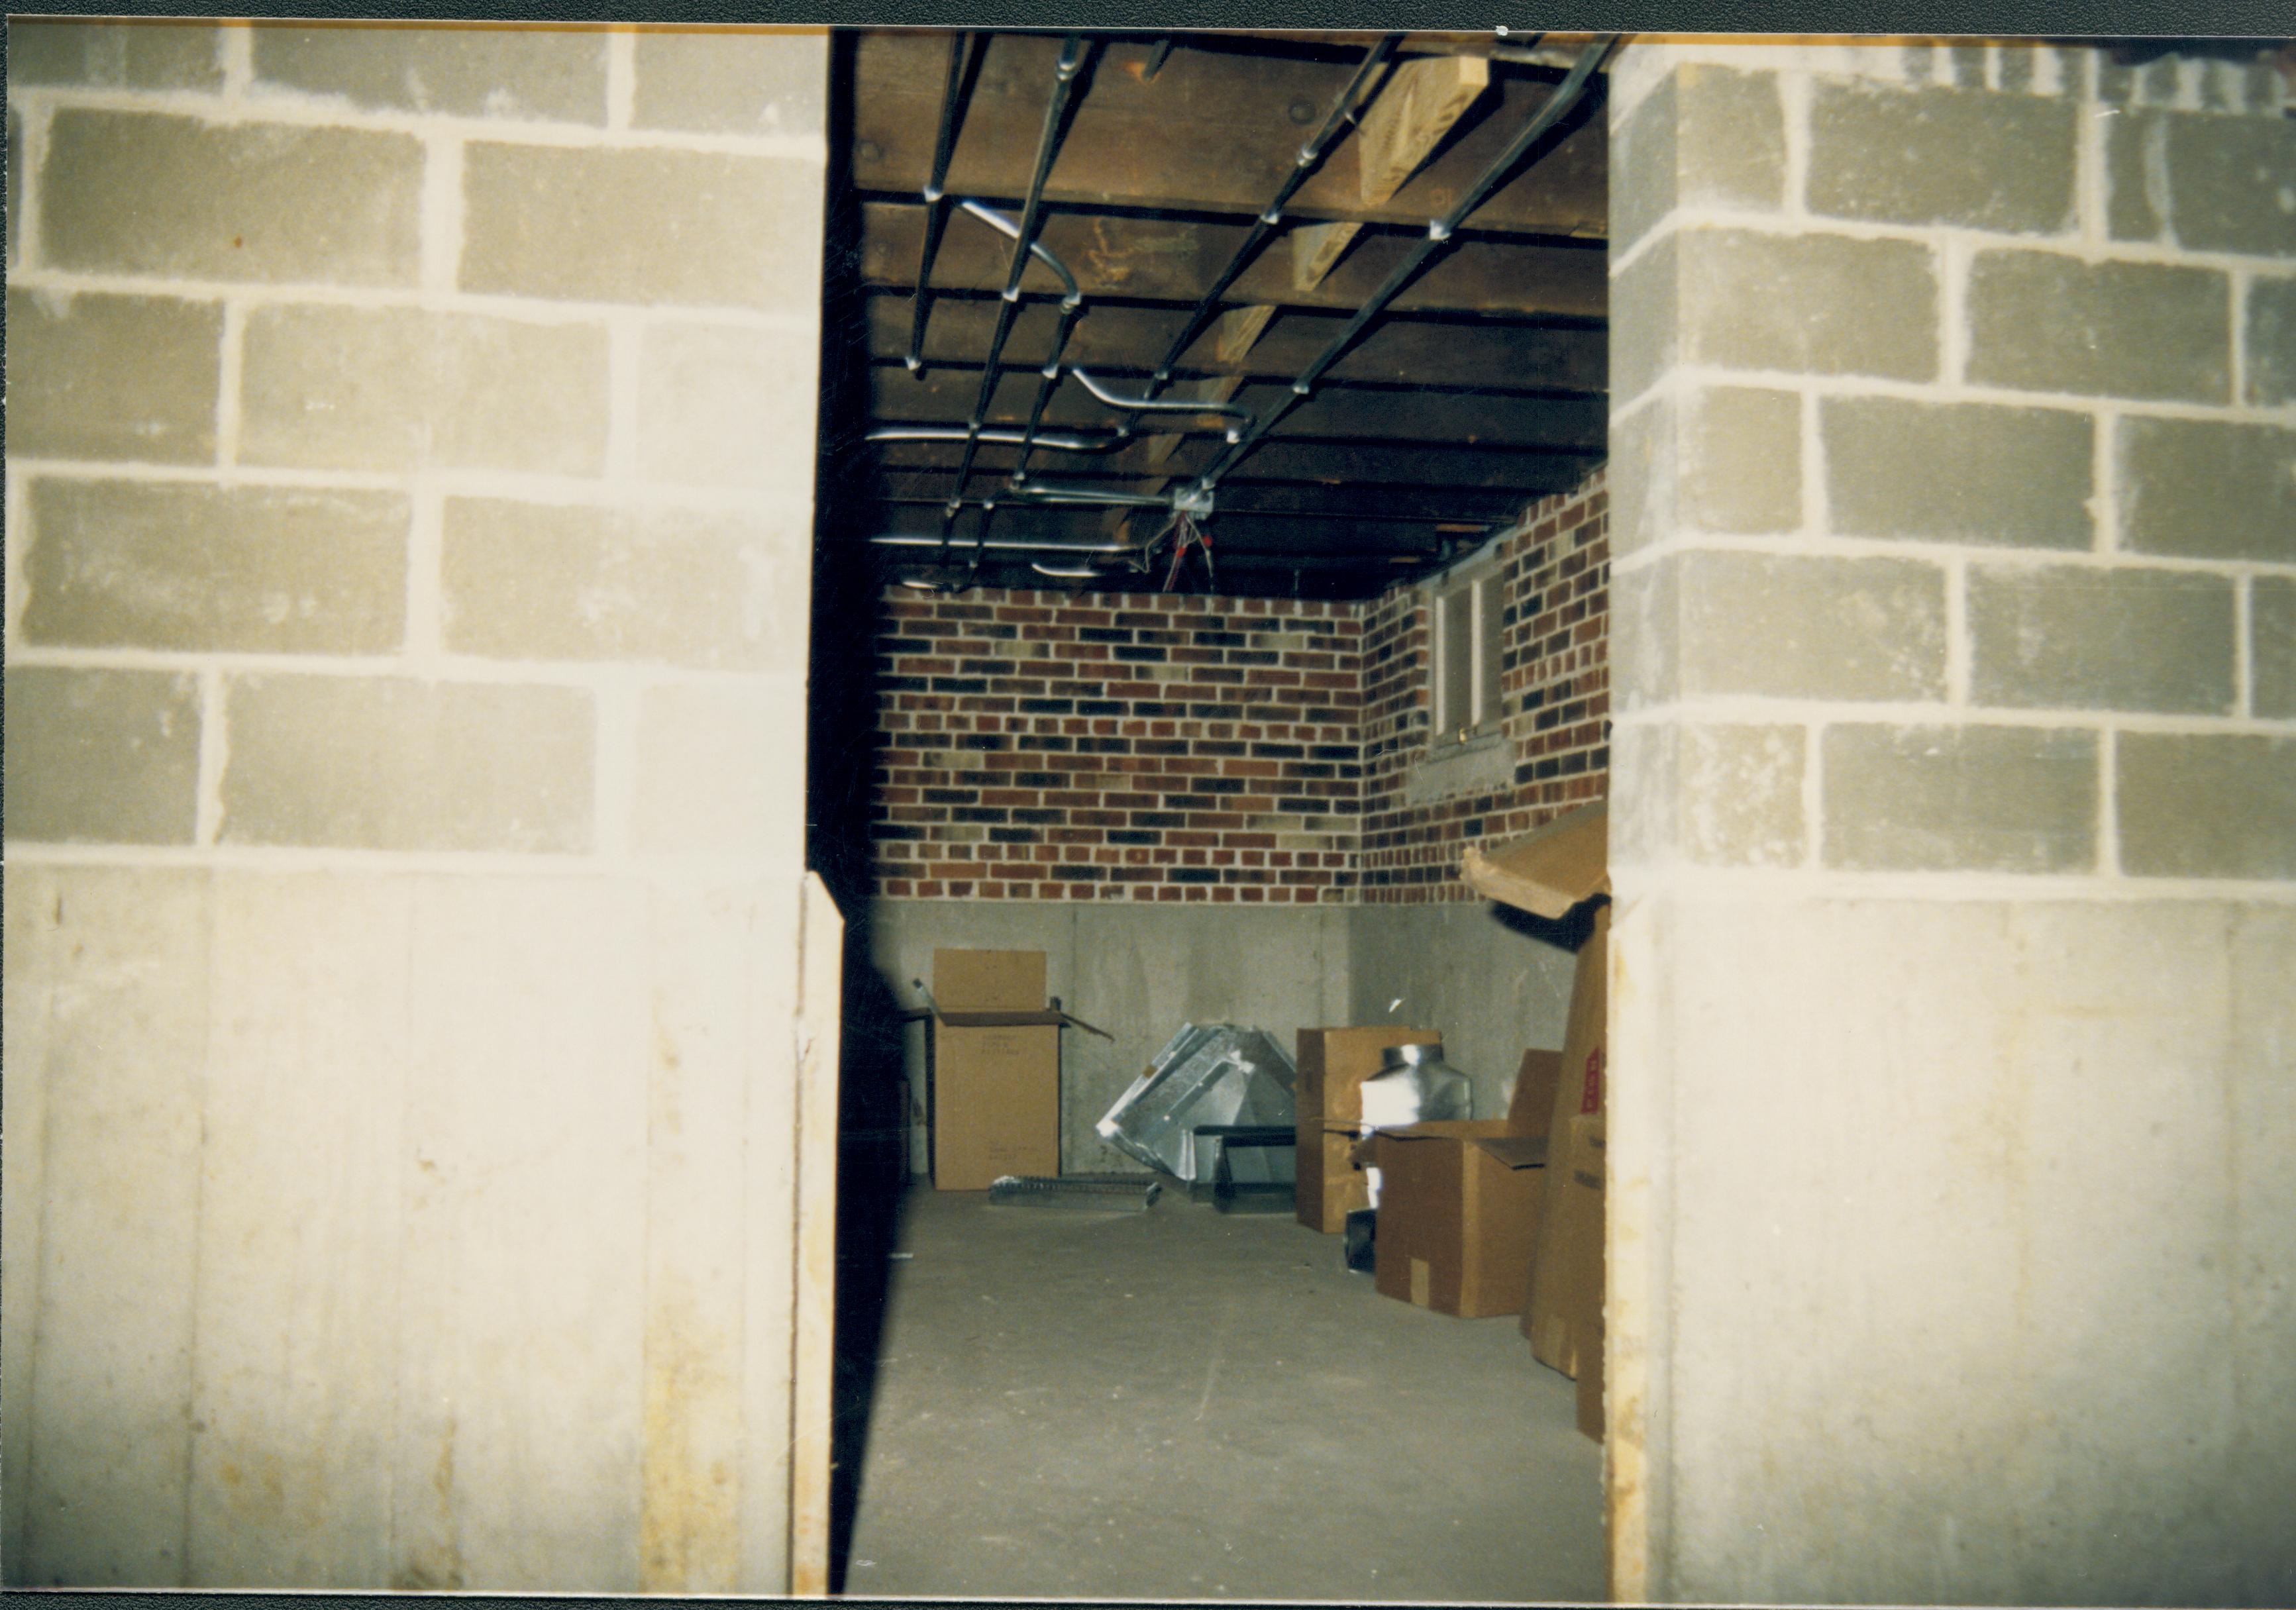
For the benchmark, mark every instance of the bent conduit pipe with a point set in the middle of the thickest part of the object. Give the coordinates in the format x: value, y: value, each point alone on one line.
x: 936, y: 214
x: 994, y: 438
x: 1438, y: 234
x: 1344, y: 111
x: 1072, y: 310
x: 1149, y: 404
x: 1073, y: 52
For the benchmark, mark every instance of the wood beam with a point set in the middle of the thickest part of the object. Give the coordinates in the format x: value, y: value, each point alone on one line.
x: 1488, y: 352
x: 1163, y: 261
x: 1421, y: 102
x: 1215, y: 130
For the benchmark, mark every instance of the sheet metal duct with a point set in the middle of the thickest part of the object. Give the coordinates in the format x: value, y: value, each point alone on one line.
x: 1209, y: 1074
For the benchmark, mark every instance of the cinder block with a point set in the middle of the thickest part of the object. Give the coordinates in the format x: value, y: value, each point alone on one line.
x: 727, y: 407
x: 558, y: 74
x: 721, y: 81
x: 1787, y: 627
x: 2081, y: 637
x: 2206, y: 806
x: 642, y: 225
x: 2206, y: 490
x: 2232, y: 182
x: 1965, y: 157
x: 1644, y: 448
x: 392, y: 764
x: 143, y: 54
x: 15, y: 185
x: 134, y: 192
x: 528, y: 580
x: 109, y: 377
x: 100, y: 757
x: 1940, y: 798
x: 145, y: 565
x: 1706, y: 135
x: 1741, y: 464
x: 1645, y: 317
x: 399, y: 388
x: 2135, y: 188
x: 1724, y: 794
x: 2271, y: 334
x: 1815, y: 304
x: 720, y: 771
x: 2045, y: 321
x: 1958, y: 472
x: 2272, y: 646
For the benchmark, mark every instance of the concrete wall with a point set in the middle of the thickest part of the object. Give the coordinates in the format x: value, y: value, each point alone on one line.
x: 406, y: 649
x: 1951, y: 1236
x: 1493, y: 980
x: 1137, y: 970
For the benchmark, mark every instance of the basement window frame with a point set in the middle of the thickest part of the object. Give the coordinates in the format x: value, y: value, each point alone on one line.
x: 1477, y: 581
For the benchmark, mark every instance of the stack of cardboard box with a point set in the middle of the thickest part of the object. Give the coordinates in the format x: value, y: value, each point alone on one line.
x: 1461, y: 1202
x: 995, y: 1068
x: 1332, y: 1062
x: 1552, y: 873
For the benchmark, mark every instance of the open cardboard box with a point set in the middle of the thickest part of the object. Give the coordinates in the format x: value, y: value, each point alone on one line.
x: 1332, y: 1062
x: 1550, y: 873
x: 995, y: 1068
x: 1460, y: 1202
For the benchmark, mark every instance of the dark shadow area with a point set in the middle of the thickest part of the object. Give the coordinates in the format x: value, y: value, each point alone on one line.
x: 872, y: 1118
x: 1567, y: 933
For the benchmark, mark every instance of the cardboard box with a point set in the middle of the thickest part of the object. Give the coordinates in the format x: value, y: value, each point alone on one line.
x: 995, y: 1068
x: 1460, y: 1202
x: 1332, y: 1064
x: 1549, y: 873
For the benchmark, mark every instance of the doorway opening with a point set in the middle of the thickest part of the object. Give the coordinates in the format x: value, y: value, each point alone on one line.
x: 1178, y: 389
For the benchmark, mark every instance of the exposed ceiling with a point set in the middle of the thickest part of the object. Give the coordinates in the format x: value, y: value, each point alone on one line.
x: 1478, y: 387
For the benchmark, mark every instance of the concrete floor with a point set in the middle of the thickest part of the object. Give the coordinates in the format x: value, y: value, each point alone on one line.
x: 1183, y: 1403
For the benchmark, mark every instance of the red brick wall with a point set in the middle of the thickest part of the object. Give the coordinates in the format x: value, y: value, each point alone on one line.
x: 1053, y: 746
x: 1554, y: 688
x: 1048, y: 746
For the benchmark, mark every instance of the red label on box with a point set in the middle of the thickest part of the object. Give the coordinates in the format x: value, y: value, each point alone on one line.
x: 1590, y: 1100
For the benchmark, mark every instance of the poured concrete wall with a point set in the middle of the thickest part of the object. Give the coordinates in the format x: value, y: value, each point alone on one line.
x: 1138, y: 971
x: 1493, y: 981
x: 406, y: 649
x: 1951, y: 1238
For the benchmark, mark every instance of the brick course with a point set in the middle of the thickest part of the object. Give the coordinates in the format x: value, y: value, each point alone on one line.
x: 1050, y: 746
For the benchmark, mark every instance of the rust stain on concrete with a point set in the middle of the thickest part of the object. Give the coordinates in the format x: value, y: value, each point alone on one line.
x: 437, y: 1569
x: 689, y: 1522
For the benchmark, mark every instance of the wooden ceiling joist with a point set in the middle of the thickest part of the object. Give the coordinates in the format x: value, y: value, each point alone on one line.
x: 1212, y: 131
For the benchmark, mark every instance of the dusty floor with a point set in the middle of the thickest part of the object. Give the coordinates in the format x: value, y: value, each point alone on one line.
x: 1183, y: 1403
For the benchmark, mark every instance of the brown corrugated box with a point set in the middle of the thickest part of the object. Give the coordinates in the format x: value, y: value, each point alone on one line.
x: 1332, y: 1062
x: 1460, y: 1202
x: 1549, y: 873
x: 996, y: 1068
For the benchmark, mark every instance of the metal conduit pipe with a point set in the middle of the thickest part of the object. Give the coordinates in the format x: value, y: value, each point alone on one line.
x: 1438, y: 234
x: 936, y: 214
x: 994, y: 438
x: 1143, y: 405
x: 1072, y: 61
x: 1344, y: 112
x: 1005, y: 544
x: 1010, y: 231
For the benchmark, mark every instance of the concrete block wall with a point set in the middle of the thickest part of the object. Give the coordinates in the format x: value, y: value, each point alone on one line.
x: 409, y: 515
x: 1954, y: 480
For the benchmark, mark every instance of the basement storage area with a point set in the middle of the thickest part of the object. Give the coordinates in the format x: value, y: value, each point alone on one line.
x: 1214, y: 549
